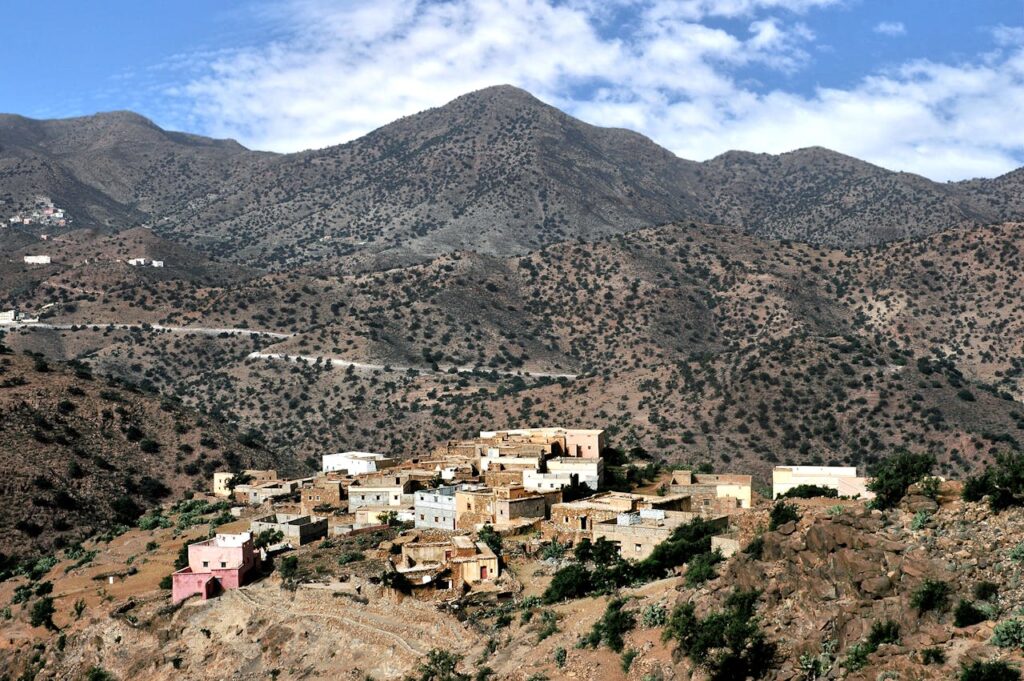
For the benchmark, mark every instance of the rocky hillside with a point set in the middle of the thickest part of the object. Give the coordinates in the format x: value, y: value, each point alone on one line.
x: 495, y: 172
x: 82, y: 455
x: 737, y: 351
x: 841, y: 591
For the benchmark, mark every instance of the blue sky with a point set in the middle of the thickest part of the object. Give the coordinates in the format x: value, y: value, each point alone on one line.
x: 932, y: 86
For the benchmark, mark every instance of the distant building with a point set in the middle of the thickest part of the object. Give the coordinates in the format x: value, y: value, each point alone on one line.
x: 157, y: 263
x: 843, y: 479
x: 8, y: 316
x: 399, y: 494
x: 255, y: 478
x: 502, y: 507
x: 138, y: 262
x: 37, y: 259
x: 576, y: 520
x: 435, y: 508
x: 565, y: 472
x: 573, y: 442
x: 223, y: 562
x: 296, y: 529
x: 636, y: 533
x: 258, y: 493
x: 220, y: 483
x: 324, y: 493
x: 713, y: 494
x: 448, y: 564
x: 355, y: 463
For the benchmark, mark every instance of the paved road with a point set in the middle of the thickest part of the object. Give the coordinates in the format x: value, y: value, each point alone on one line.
x: 333, y: 362
x: 201, y: 330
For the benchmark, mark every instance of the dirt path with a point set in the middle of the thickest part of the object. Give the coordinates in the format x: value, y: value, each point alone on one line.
x: 201, y: 330
x: 337, y: 362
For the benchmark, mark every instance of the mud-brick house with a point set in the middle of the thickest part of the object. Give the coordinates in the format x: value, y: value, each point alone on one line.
x: 713, y: 494
x: 224, y: 562
x: 448, y: 564
x: 575, y: 520
x: 296, y: 529
x: 502, y: 507
x: 637, y: 533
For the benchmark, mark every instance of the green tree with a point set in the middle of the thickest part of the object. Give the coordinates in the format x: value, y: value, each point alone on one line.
x: 42, y: 613
x: 895, y: 474
x: 441, y: 665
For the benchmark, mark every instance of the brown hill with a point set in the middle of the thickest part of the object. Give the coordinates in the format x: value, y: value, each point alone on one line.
x: 495, y: 172
x: 82, y: 455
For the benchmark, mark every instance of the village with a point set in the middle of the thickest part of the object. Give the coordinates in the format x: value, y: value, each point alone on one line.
x: 533, y: 487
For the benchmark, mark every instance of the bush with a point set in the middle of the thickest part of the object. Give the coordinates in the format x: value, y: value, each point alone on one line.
x: 755, y: 549
x: 653, y: 615
x: 491, y: 538
x: 995, y: 670
x: 986, y: 591
x: 627, y: 660
x: 42, y: 613
x: 289, y: 567
x: 553, y: 551
x: 702, y: 568
x: 441, y: 665
x: 933, y: 594
x: 560, y: 656
x: 99, y: 674
x: 549, y: 625
x: 612, y: 627
x: 1017, y: 552
x: 572, y: 581
x: 167, y: 582
x: 894, y: 475
x: 351, y: 557
x: 1002, y: 482
x: 966, y: 614
x: 920, y: 520
x: 1009, y: 634
x: 728, y: 644
x: 933, y: 655
x: 781, y: 514
x: 809, y: 492
x: 883, y: 632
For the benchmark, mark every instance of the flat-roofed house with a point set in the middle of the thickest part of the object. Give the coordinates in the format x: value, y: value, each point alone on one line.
x: 394, y: 495
x: 713, y: 494
x: 222, y: 562
x: 446, y: 564
x: 843, y: 479
x: 575, y: 520
x: 356, y: 463
x: 637, y: 532
x: 502, y: 507
x: 574, y: 442
x: 435, y: 508
x: 296, y: 529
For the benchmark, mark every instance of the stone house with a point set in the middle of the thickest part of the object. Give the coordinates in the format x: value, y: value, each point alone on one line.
x: 575, y: 520
x: 502, y: 507
x: 222, y: 562
x: 447, y: 564
x: 296, y: 529
x: 637, y: 533
x: 713, y: 494
x: 258, y: 493
x: 324, y: 492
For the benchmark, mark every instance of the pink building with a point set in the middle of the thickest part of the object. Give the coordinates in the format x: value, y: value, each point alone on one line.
x: 214, y: 565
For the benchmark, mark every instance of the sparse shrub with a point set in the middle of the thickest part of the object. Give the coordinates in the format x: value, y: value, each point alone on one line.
x: 612, y: 626
x: 986, y: 591
x: 1009, y: 634
x: 920, y: 520
x: 553, y: 551
x: 560, y: 656
x: 993, y: 670
x: 289, y: 567
x: 351, y: 557
x: 1017, y: 552
x: 966, y: 614
x: 1002, y: 482
x: 654, y: 615
x: 627, y: 659
x: 931, y: 595
x: 728, y: 644
x: 441, y: 665
x: 702, y: 568
x: 930, y: 487
x: 809, y: 492
x: 755, y: 549
x: 572, y: 581
x: 42, y: 612
x: 99, y: 674
x: 781, y: 514
x: 933, y: 655
x: 883, y: 632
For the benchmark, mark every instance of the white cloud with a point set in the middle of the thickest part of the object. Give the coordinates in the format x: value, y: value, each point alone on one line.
x: 891, y: 28
x: 345, y: 69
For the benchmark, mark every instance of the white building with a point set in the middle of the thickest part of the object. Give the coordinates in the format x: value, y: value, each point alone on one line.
x: 843, y: 479
x: 356, y: 463
x: 8, y: 316
x: 157, y: 263
x: 37, y: 259
x: 564, y: 472
x: 138, y: 262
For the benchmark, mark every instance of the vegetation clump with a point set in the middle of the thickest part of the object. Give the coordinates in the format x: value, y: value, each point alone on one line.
x: 892, y: 477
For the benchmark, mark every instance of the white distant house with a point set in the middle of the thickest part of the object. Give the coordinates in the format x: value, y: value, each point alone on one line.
x: 843, y: 479
x: 355, y: 463
x: 157, y: 263
x: 8, y: 316
x: 37, y: 259
x: 137, y: 262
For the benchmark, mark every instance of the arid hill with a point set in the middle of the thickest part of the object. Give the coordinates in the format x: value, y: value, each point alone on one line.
x: 737, y: 351
x: 495, y: 172
x: 81, y: 454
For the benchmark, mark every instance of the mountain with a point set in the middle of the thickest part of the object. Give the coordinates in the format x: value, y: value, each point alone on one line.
x: 496, y: 172
x: 111, y: 170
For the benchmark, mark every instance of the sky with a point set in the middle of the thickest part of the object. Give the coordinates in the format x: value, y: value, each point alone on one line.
x: 934, y: 87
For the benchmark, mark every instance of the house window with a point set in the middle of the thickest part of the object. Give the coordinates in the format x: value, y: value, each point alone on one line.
x: 435, y: 519
x: 421, y: 516
x: 223, y: 564
x: 636, y: 547
x: 206, y: 563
